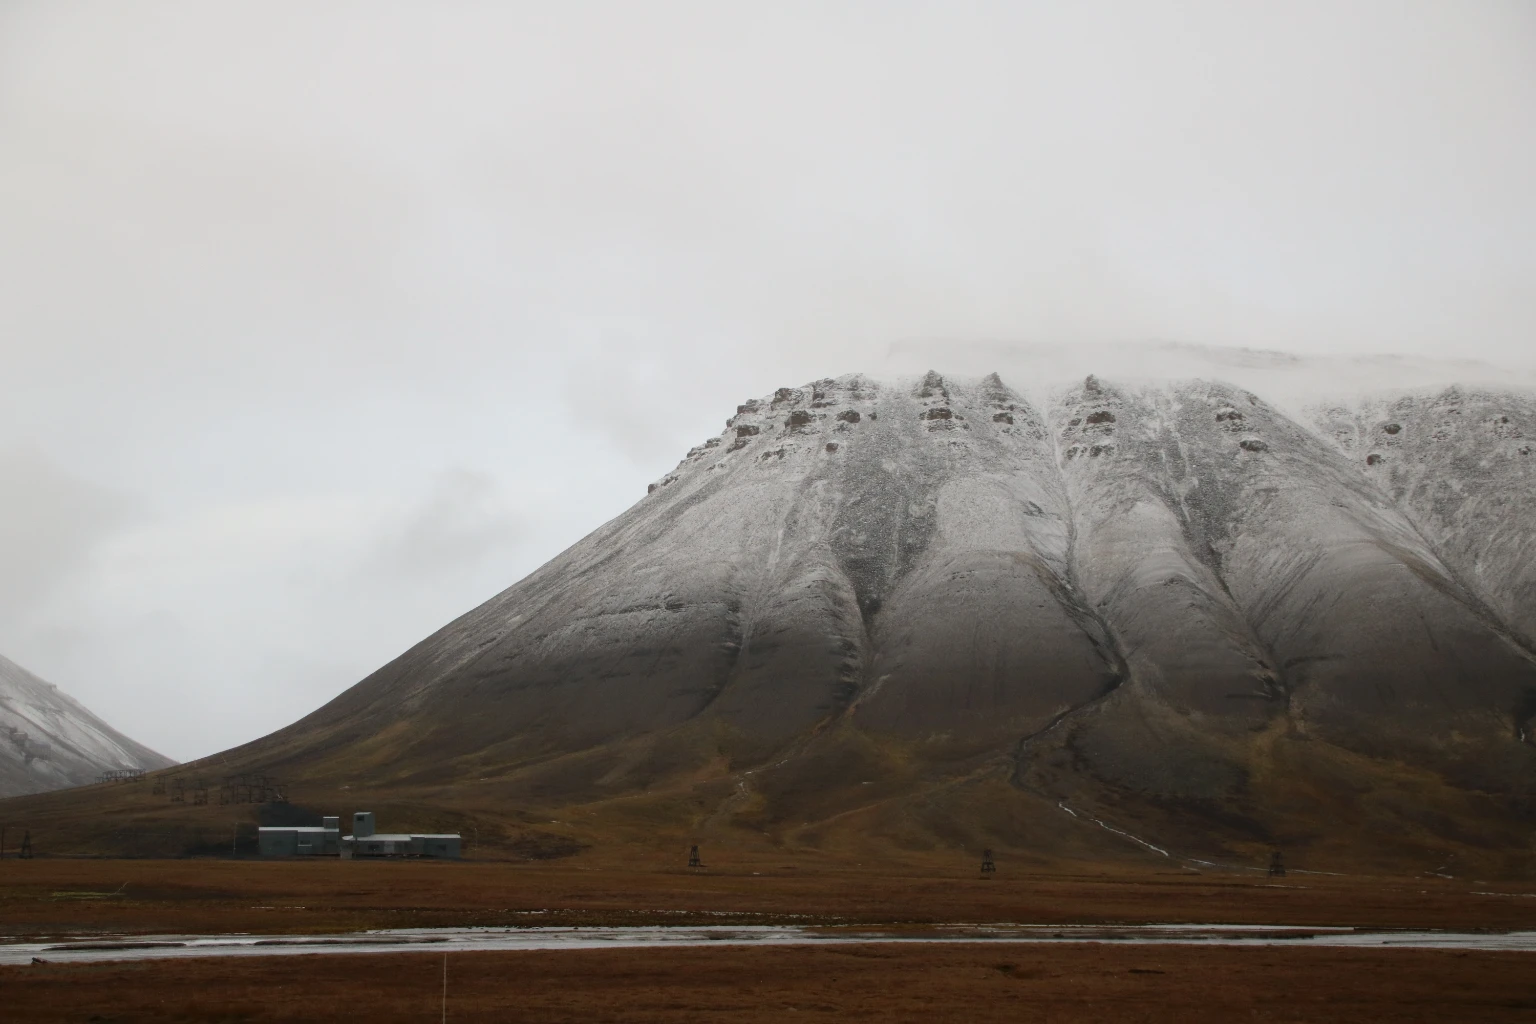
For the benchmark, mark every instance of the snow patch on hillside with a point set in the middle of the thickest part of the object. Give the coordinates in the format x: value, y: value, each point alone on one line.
x: 49, y: 740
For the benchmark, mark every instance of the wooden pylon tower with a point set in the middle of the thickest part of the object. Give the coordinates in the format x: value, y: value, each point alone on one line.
x: 693, y: 857
x: 1276, y: 865
x: 988, y: 868
x: 26, y: 845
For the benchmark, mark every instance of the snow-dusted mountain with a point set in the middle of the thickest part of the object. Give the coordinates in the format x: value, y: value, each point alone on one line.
x: 49, y: 740
x: 940, y: 559
x: 939, y: 609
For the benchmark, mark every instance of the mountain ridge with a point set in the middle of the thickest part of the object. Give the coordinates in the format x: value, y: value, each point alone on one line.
x: 1076, y: 441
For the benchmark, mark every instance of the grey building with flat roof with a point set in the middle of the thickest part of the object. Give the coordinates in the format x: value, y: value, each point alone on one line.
x: 301, y: 840
x: 365, y: 842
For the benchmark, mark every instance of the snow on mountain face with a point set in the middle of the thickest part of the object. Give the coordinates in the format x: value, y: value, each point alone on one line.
x: 1145, y: 577
x: 1462, y: 464
x: 48, y: 740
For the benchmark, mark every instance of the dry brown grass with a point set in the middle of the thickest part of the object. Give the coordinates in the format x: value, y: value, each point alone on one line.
x: 56, y: 897
x: 876, y: 983
x: 1067, y: 982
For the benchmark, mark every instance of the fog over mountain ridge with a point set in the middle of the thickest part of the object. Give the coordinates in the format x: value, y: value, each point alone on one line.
x: 1296, y: 380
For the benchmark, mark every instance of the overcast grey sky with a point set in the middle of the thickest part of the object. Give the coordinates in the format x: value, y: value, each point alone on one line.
x: 321, y: 322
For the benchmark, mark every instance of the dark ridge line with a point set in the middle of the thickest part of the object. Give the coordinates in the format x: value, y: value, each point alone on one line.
x: 1459, y: 590
x: 1207, y: 556
x: 1469, y: 596
x: 745, y: 617
x: 1077, y: 609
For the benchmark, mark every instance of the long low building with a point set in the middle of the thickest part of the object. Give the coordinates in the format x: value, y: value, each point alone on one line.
x: 301, y: 840
x: 365, y: 842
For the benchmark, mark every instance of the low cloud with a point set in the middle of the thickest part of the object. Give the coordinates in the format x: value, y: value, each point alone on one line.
x: 50, y: 522
x: 464, y: 521
x: 329, y: 327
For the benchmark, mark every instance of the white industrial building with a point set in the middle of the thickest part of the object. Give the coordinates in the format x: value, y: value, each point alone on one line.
x: 365, y: 842
x: 301, y: 840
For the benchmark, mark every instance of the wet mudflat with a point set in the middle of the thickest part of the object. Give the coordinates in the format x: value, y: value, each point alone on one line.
x: 886, y: 982
x: 460, y: 940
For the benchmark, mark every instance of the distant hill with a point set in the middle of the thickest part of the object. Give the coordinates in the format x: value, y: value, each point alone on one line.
x: 49, y: 740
